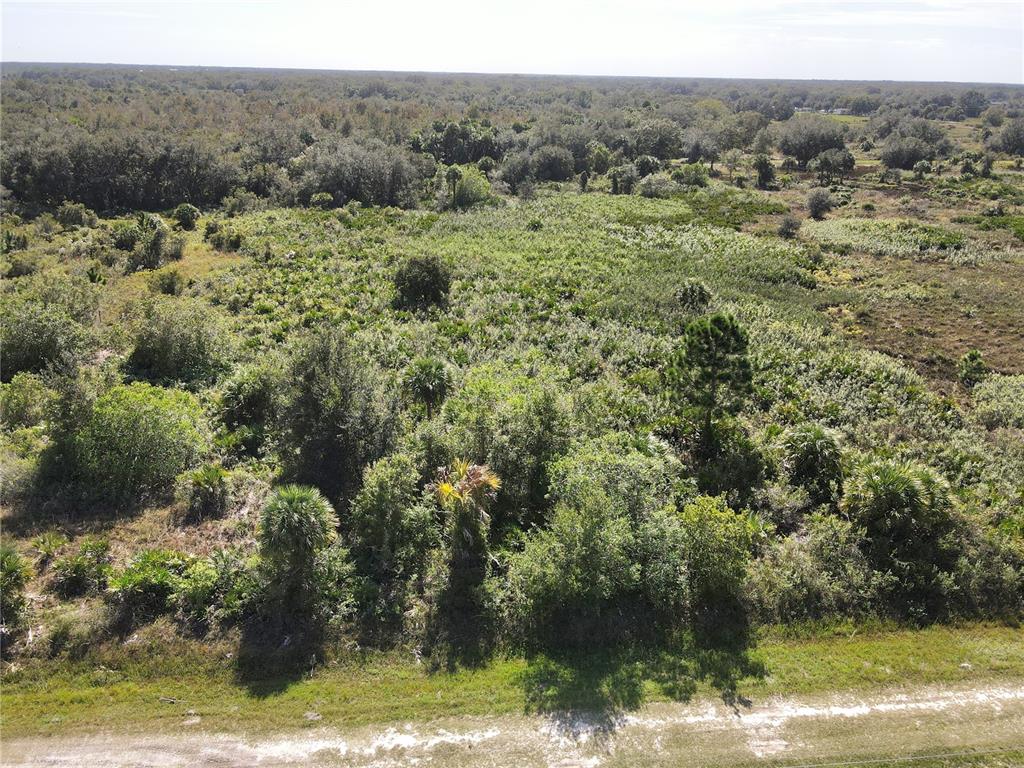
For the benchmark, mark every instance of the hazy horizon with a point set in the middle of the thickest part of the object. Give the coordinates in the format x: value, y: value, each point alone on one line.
x: 934, y: 41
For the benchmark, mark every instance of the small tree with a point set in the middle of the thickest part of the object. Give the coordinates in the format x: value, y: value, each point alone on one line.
x: 819, y: 202
x: 813, y: 461
x: 186, y: 215
x: 137, y: 439
x: 972, y: 368
x: 789, y: 226
x: 710, y: 372
x: 765, y: 171
x: 427, y: 380
x: 421, y: 282
x: 336, y: 418
x: 297, y: 525
x: 552, y: 163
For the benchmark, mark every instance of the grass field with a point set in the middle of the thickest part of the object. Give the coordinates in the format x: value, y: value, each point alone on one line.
x: 153, y: 685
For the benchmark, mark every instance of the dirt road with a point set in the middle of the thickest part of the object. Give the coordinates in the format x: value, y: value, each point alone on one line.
x: 840, y: 729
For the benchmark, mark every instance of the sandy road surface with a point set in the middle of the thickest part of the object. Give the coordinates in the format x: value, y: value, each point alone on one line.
x: 843, y: 727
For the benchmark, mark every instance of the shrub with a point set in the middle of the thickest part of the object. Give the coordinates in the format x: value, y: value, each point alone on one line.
x: 514, y: 424
x: 83, y: 572
x: 305, y: 575
x: 169, y: 282
x: 817, y: 573
x: 804, y: 137
x: 971, y: 369
x: 999, y: 401
x: 658, y: 186
x: 323, y: 200
x: 717, y: 542
x: 220, y: 586
x: 693, y: 296
x: 565, y: 584
x: 186, y: 215
x: 765, y: 171
x: 152, y: 243
x: 646, y: 165
x: 46, y: 546
x: 819, y: 202
x: 691, y: 175
x: 906, y: 512
x: 336, y: 419
x: 392, y: 532
x: 75, y: 215
x: 789, y: 227
x: 472, y: 188
x: 142, y: 590
x: 422, y: 282
x: 24, y: 401
x: 427, y: 380
x: 624, y: 179
x: 180, y: 340
x: 206, y: 491
x: 250, y: 402
x: 14, y: 575
x: 552, y: 163
x: 35, y: 336
x: 137, y: 439
x: 813, y: 461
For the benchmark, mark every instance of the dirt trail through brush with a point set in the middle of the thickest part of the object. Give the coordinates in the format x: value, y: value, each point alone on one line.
x: 840, y: 728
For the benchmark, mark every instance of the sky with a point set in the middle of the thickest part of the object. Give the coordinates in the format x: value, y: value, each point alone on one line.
x: 937, y: 40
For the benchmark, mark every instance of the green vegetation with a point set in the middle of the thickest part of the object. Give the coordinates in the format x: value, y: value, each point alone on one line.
x: 528, y: 384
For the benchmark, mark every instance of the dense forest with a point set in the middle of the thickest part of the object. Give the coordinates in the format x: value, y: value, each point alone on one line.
x: 480, y: 364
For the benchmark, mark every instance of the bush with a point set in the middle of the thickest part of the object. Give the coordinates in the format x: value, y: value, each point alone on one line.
x: 817, y: 573
x: 999, y: 401
x: 905, y: 152
x: 691, y: 175
x: 169, y: 282
x: 206, y: 491
x: 552, y: 163
x: 514, y: 424
x: 24, y: 401
x: 658, y: 186
x: 646, y: 165
x: 565, y: 586
x: 804, y: 137
x: 427, y: 380
x: 35, y: 336
x: 137, y: 439
x: 971, y: 369
x: 142, y: 590
x: 472, y: 188
x: 250, y: 402
x: 186, y: 215
x: 422, y: 282
x: 789, y: 227
x: 75, y: 215
x: 819, y: 202
x: 336, y: 419
x: 624, y: 179
x: 906, y: 512
x: 765, y: 171
x: 813, y: 461
x: 14, y: 575
x: 392, y: 532
x: 323, y: 200
x: 693, y: 296
x: 220, y: 586
x: 305, y: 576
x: 180, y: 340
x: 83, y: 572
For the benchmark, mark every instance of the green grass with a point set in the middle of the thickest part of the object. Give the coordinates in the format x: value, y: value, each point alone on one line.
x: 120, y: 688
